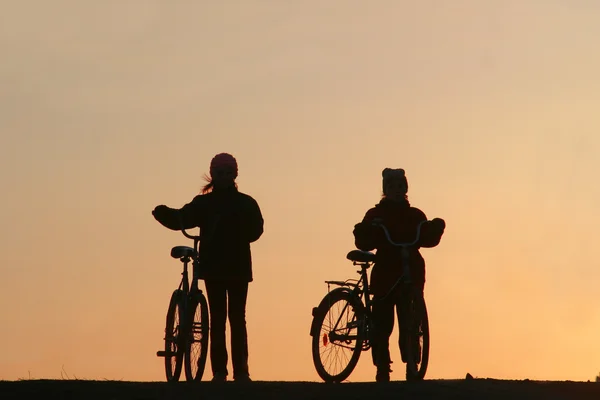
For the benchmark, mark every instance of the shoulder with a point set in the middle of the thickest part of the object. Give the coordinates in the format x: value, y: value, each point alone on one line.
x: 373, y: 212
x: 417, y: 213
x: 199, y: 199
x: 246, y: 199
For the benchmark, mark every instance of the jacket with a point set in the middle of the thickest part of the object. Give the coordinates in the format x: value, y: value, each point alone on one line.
x: 401, y: 221
x: 229, y: 221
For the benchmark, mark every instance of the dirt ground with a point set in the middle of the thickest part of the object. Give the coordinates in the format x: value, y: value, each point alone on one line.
x: 490, y: 389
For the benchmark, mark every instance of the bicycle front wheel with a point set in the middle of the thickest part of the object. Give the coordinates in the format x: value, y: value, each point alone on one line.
x: 173, y: 342
x: 337, y: 335
x: 418, y: 340
x: 197, y: 345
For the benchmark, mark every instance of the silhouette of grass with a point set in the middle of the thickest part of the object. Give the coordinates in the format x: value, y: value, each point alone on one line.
x: 29, y: 377
x: 65, y: 376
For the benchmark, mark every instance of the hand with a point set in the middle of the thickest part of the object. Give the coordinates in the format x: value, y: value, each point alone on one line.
x: 363, y: 229
x: 439, y: 223
x: 159, y: 211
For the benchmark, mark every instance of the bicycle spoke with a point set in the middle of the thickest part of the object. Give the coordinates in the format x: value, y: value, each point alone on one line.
x: 196, y: 344
x: 196, y: 351
x: 334, y: 353
x: 173, y: 354
x: 175, y: 342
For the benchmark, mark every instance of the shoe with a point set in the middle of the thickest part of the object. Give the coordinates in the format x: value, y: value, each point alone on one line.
x: 383, y: 374
x: 411, y: 373
x: 219, y: 378
x: 242, y: 378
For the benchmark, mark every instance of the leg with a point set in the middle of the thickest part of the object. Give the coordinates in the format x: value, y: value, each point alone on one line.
x: 402, y: 314
x: 238, y: 293
x: 383, y: 325
x: 217, y: 304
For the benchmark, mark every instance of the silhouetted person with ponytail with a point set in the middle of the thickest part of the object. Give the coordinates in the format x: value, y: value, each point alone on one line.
x: 229, y: 221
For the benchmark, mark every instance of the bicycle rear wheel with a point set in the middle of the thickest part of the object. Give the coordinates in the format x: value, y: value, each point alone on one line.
x: 197, y: 345
x: 337, y: 335
x: 418, y: 340
x: 173, y: 348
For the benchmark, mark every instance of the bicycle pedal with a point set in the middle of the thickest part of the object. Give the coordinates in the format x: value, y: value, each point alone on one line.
x: 162, y: 353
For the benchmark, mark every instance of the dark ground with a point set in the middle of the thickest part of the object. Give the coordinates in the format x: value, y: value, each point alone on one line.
x: 432, y: 389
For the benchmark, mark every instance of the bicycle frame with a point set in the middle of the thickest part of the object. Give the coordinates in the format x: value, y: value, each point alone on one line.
x: 188, y: 290
x: 184, y: 285
x: 360, y: 288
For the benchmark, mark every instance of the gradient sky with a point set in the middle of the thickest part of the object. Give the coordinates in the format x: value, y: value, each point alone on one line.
x: 110, y: 108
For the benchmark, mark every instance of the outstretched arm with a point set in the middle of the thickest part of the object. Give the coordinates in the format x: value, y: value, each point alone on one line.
x: 177, y: 219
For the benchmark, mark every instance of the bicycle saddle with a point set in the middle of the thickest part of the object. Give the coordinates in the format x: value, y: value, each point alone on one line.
x: 361, y: 256
x: 182, y: 251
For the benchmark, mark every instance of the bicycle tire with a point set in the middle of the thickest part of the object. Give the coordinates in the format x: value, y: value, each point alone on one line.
x: 418, y: 340
x: 173, y: 350
x: 200, y: 328
x: 323, y: 335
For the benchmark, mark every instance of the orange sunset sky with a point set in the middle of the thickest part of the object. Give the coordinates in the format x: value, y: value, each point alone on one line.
x: 110, y: 108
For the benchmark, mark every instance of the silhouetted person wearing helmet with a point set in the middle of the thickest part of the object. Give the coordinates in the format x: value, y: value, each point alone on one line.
x: 229, y: 221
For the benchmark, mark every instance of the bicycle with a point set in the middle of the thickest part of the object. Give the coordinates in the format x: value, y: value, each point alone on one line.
x: 353, y: 332
x: 187, y: 322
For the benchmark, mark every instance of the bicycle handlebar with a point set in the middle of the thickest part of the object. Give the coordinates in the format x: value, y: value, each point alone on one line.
x: 406, y: 267
x: 387, y: 234
x: 182, y: 229
x: 187, y: 235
